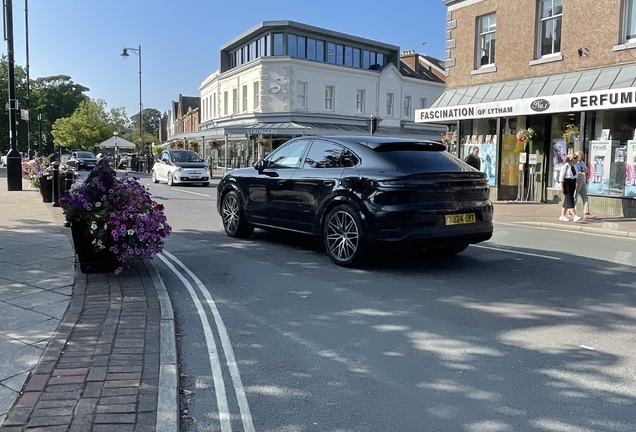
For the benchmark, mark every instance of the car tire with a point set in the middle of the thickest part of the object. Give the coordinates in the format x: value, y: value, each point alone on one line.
x: 447, y: 251
x: 154, y: 177
x: 233, y: 218
x: 170, y: 180
x: 343, y: 236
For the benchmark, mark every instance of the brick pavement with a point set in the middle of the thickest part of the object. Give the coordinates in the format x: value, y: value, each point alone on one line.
x: 101, y: 370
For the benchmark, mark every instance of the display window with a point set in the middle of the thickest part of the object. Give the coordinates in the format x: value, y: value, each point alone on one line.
x: 611, y: 150
x: 481, y: 134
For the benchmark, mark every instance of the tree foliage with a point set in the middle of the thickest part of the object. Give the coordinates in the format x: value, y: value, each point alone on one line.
x: 152, y: 119
x: 89, y: 125
x: 54, y: 97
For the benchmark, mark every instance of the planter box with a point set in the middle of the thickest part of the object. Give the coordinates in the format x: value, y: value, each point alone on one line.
x: 90, y: 261
x: 46, y: 189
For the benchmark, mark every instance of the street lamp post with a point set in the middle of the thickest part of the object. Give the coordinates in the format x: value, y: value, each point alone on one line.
x: 125, y: 55
x: 116, y: 148
x: 40, y: 131
x: 14, y: 159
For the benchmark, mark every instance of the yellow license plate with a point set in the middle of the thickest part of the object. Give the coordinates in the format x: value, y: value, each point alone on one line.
x: 457, y: 219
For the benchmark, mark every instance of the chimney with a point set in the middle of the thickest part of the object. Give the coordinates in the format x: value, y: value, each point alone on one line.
x: 411, y: 59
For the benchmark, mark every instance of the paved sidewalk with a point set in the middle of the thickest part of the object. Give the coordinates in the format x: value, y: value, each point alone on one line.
x: 78, y: 352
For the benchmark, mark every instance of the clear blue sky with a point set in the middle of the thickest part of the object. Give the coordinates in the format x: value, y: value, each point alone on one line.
x: 180, y: 40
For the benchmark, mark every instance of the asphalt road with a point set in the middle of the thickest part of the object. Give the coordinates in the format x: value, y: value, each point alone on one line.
x: 531, y: 331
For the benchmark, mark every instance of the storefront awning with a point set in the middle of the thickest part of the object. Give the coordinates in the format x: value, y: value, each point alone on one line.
x: 603, y: 88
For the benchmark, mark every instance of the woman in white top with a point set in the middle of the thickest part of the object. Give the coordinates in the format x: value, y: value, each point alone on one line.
x: 567, y: 179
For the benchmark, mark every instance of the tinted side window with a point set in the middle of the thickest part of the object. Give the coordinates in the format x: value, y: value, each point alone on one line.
x: 288, y: 156
x: 323, y: 154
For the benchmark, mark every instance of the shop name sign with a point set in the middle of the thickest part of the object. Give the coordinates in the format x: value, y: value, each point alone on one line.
x: 600, y: 99
x: 262, y: 131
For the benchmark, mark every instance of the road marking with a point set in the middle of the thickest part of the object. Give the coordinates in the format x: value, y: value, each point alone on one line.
x: 517, y: 252
x: 193, y: 193
x: 228, y: 351
x: 215, y: 363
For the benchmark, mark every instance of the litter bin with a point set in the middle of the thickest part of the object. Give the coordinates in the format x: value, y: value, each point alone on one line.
x: 134, y: 162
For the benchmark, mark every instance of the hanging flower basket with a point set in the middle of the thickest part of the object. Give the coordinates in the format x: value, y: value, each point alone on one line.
x: 526, y: 135
x: 571, y: 133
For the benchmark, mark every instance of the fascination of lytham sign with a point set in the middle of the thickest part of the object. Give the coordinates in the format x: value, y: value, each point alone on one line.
x: 588, y: 101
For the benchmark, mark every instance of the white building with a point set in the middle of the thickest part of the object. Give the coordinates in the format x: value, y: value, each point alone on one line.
x: 283, y: 79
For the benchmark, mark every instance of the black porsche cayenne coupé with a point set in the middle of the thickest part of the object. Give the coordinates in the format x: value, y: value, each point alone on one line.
x: 350, y: 191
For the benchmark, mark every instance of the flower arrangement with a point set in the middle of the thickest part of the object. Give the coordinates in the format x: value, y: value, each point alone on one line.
x: 571, y: 133
x: 449, y: 138
x: 214, y: 144
x: 118, y: 213
x: 37, y: 168
x: 526, y: 135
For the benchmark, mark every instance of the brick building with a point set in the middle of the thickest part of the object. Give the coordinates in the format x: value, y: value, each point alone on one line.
x: 549, y: 65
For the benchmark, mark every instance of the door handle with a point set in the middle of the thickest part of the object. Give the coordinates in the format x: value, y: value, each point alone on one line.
x: 282, y: 182
x: 328, y: 182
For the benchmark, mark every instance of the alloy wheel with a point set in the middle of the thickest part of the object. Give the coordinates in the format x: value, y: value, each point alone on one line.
x: 342, y: 236
x: 230, y: 213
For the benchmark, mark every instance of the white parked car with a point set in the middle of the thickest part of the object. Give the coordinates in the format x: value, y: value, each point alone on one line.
x: 180, y: 167
x: 3, y: 160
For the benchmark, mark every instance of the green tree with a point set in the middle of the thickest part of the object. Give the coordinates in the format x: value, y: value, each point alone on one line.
x: 152, y: 118
x: 89, y: 125
x: 54, y: 97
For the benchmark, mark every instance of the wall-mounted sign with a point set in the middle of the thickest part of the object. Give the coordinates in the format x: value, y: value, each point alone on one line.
x: 599, y: 99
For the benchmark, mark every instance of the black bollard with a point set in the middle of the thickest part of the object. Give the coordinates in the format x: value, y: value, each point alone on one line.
x: 56, y: 184
x: 69, y: 179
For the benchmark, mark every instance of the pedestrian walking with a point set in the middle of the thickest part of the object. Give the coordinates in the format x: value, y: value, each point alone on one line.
x: 567, y: 180
x: 473, y: 159
x: 582, y: 176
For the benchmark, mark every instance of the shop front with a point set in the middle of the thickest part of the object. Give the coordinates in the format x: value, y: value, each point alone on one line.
x: 523, y: 140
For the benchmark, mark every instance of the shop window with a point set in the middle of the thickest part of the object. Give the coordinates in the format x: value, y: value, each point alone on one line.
x: 611, y: 153
x: 629, y: 21
x: 482, y: 134
x: 486, y: 35
x: 549, y: 27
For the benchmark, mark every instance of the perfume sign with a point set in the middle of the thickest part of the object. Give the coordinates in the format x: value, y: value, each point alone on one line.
x: 585, y: 101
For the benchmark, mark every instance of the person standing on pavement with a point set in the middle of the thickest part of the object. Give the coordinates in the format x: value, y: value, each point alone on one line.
x: 583, y: 174
x: 473, y: 159
x: 567, y: 180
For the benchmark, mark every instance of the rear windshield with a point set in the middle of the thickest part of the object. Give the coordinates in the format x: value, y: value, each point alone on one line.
x: 421, y: 161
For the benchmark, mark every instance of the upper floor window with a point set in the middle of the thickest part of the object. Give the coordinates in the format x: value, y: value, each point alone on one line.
x: 257, y: 98
x: 245, y: 98
x: 234, y: 101
x: 486, y: 33
x: 214, y: 104
x: 225, y: 103
x: 629, y: 21
x: 407, y: 106
x: 331, y: 53
x: 301, y: 94
x: 422, y: 103
x: 549, y: 26
x: 329, y: 96
x: 292, y: 45
x: 278, y: 44
x: 389, y: 104
x: 360, y: 101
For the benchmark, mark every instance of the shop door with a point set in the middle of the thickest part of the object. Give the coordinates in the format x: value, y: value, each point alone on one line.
x: 536, y: 181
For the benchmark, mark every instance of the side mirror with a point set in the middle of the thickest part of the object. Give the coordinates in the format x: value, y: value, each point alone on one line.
x: 261, y: 165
